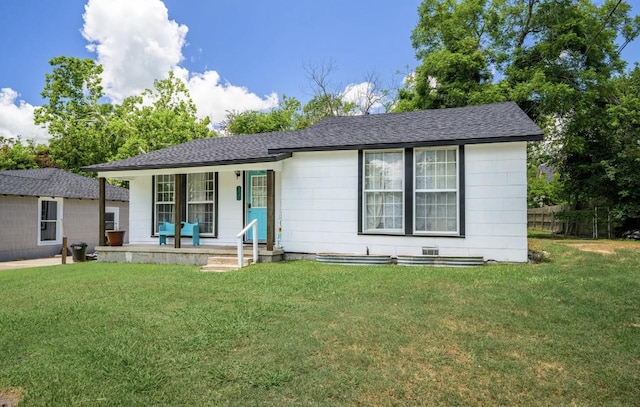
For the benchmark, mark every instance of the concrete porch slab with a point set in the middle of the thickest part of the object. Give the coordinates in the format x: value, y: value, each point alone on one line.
x: 187, y: 255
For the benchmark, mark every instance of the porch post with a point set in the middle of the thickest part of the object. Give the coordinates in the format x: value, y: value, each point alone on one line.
x: 271, y: 210
x: 101, y: 209
x: 177, y: 199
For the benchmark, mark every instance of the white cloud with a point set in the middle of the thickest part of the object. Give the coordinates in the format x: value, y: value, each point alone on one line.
x: 16, y: 118
x: 136, y: 43
x: 364, y: 96
x: 214, y: 97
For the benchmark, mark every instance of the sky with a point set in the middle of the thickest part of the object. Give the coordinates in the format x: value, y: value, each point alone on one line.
x: 234, y: 55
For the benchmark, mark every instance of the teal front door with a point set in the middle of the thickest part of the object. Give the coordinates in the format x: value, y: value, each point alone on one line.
x: 257, y: 202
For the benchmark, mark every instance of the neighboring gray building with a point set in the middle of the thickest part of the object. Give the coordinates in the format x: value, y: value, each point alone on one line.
x: 39, y: 207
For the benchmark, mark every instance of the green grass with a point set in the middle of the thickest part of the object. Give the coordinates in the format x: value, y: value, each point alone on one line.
x: 566, y: 332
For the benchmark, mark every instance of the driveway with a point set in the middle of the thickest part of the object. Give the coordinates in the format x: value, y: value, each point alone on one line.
x: 20, y: 264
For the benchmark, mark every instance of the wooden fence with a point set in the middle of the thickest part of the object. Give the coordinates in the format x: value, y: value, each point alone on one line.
x: 559, y: 219
x: 546, y: 219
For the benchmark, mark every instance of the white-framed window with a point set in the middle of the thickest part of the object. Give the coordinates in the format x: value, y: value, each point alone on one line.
x: 259, y: 191
x: 201, y: 192
x: 383, y: 191
x: 163, y: 200
x: 112, y: 218
x: 49, y: 221
x: 436, y: 190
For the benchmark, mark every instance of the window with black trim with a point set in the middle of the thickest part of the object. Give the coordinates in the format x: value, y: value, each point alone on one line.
x: 383, y: 191
x: 422, y: 184
x: 436, y: 190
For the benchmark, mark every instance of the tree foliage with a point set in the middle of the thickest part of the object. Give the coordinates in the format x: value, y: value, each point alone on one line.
x: 453, y: 43
x: 286, y: 116
x: 17, y: 155
x: 158, y: 118
x: 603, y: 165
x: 74, y: 114
x: 542, y: 191
x: 86, y: 129
x: 560, y: 61
x: 622, y: 165
x: 328, y: 99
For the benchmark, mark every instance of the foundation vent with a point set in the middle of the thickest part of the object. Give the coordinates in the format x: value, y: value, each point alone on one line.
x: 430, y: 251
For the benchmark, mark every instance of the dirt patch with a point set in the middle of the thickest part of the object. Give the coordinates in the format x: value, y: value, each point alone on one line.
x: 602, y: 246
x: 10, y: 397
x: 592, y: 248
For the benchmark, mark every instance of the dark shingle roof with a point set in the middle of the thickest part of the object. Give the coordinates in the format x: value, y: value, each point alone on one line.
x: 55, y: 183
x: 209, y: 151
x: 498, y: 122
x: 465, y: 125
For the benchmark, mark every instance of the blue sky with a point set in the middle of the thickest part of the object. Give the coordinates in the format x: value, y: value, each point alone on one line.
x: 233, y: 54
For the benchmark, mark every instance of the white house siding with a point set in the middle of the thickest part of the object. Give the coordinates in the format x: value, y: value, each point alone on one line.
x: 229, y: 208
x: 496, y: 201
x: 320, y: 206
x: 140, y: 210
x: 320, y: 203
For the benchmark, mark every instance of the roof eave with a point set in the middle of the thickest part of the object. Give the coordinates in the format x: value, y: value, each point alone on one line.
x: 274, y: 158
x: 434, y: 143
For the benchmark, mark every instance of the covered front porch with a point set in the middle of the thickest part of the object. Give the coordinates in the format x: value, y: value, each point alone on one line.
x: 222, y: 199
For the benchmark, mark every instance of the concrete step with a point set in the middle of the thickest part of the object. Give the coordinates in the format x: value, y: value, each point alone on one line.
x: 219, y: 268
x: 229, y: 259
x: 224, y: 263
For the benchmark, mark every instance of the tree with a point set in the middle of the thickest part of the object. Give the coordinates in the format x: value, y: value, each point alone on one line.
x: 286, y: 116
x: 622, y: 167
x: 543, y: 53
x: 327, y: 97
x: 15, y: 155
x: 558, y: 59
x: 328, y: 100
x: 604, y: 166
x: 74, y: 114
x: 369, y: 95
x: 542, y: 191
x: 560, y: 53
x: 88, y: 130
x: 453, y: 42
x: 158, y: 118
x: 562, y: 70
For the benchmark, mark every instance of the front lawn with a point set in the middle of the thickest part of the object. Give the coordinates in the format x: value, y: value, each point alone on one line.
x: 565, y: 332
